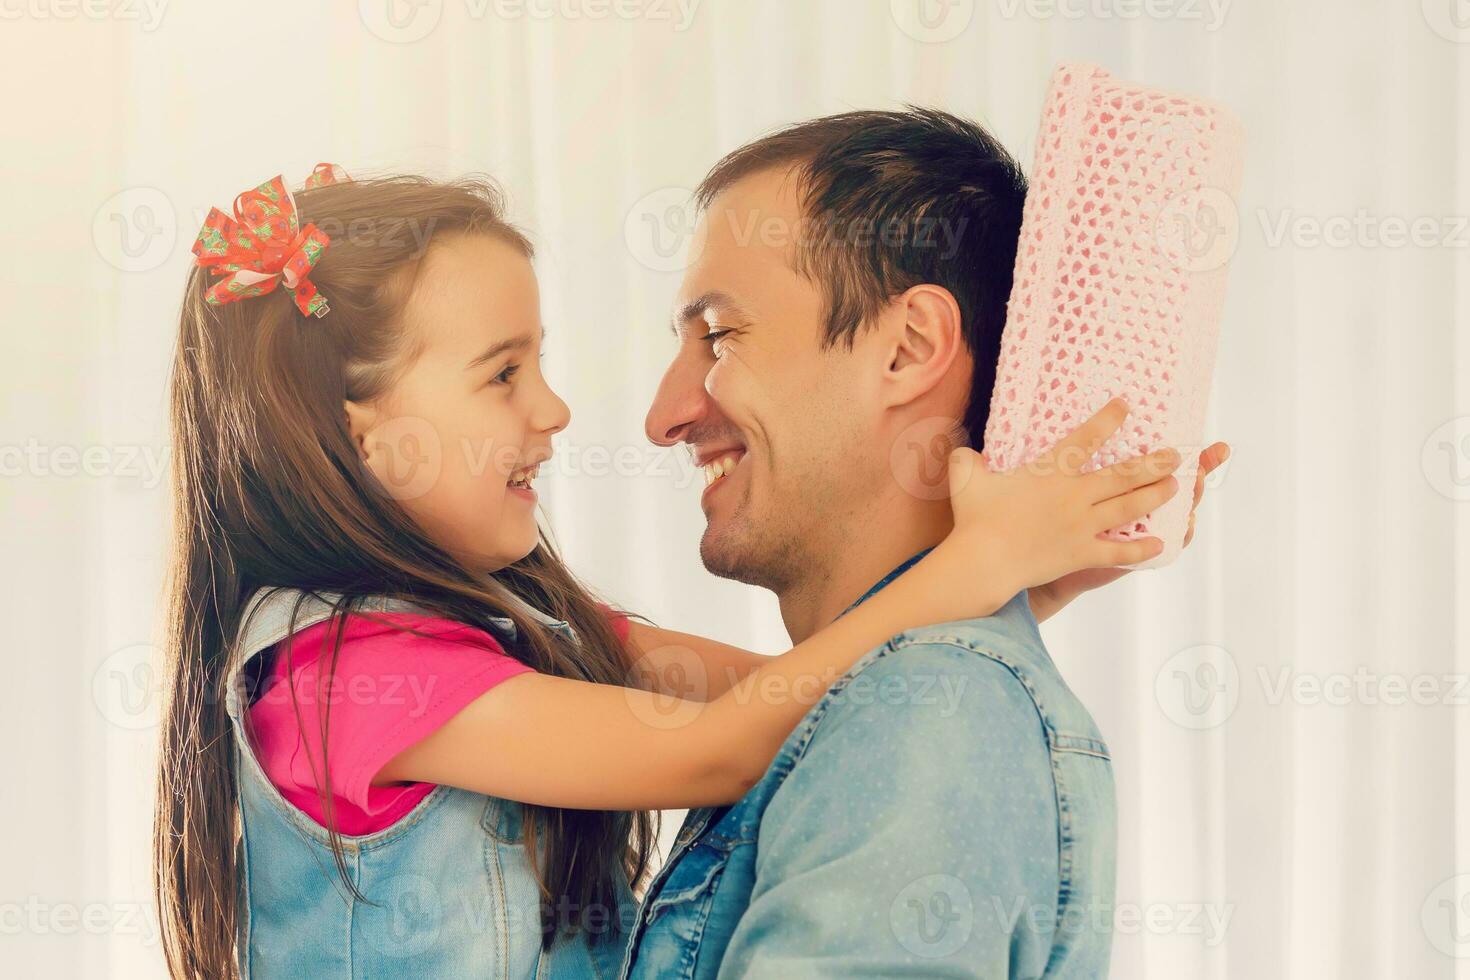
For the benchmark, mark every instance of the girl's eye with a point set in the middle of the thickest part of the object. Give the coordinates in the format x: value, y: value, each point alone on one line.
x: 503, y: 378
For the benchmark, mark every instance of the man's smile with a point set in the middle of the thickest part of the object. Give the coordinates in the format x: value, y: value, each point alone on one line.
x: 718, y: 465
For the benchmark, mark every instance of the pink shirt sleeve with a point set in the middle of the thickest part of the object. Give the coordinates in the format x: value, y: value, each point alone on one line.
x: 388, y: 691
x: 619, y: 622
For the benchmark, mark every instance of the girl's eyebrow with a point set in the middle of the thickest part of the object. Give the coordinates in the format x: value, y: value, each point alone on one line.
x: 520, y: 343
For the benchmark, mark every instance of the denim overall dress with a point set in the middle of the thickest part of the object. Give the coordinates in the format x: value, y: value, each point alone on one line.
x: 449, y: 887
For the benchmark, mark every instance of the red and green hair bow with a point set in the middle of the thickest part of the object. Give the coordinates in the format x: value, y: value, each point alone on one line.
x: 264, y: 244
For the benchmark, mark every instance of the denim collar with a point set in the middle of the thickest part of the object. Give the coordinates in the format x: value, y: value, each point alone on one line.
x: 885, y: 580
x: 531, y: 612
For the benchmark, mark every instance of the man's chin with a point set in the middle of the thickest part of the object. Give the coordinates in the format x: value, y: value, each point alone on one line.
x: 725, y: 552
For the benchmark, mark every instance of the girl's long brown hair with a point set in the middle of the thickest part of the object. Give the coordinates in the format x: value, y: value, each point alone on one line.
x: 269, y: 491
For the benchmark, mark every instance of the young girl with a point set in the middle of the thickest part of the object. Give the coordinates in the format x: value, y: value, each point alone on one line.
x: 402, y: 738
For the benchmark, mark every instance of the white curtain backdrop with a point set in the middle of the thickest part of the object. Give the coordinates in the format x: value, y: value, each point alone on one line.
x: 1286, y: 704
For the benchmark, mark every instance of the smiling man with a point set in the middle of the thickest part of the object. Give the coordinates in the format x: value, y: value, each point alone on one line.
x: 841, y: 319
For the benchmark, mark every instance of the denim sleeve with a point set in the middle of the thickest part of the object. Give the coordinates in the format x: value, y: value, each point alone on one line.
x: 916, y: 836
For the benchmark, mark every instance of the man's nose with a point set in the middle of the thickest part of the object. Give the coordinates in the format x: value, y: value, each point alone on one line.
x: 680, y: 402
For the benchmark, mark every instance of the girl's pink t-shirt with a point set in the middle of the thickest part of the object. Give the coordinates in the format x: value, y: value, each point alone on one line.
x: 389, y: 690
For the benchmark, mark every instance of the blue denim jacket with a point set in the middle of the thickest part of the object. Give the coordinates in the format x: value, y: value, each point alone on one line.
x: 450, y: 887
x: 946, y: 810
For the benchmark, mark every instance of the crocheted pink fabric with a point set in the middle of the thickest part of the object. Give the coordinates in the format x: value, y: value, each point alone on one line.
x: 1120, y: 279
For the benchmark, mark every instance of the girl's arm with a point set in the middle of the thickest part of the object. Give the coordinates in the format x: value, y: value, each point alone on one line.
x: 549, y: 740
x: 559, y: 742
x: 686, y: 666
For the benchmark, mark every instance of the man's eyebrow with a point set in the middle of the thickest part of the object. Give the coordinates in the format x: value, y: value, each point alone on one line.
x: 695, y: 309
x: 519, y: 343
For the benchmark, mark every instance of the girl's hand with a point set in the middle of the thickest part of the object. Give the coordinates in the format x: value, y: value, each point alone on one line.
x: 1049, y: 599
x: 1045, y: 520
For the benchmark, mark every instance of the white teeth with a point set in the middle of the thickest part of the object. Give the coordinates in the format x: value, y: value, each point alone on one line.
x: 717, y: 468
x: 524, y: 476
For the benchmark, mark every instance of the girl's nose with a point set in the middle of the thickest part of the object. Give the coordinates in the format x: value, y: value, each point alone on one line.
x: 554, y: 414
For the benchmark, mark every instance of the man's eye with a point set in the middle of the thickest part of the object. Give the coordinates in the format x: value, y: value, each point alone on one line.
x: 713, y: 336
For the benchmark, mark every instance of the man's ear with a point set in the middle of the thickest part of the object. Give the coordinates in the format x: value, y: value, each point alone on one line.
x: 927, y: 336
x: 361, y: 420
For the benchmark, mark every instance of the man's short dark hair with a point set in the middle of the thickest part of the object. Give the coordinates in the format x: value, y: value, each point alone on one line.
x: 896, y: 199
